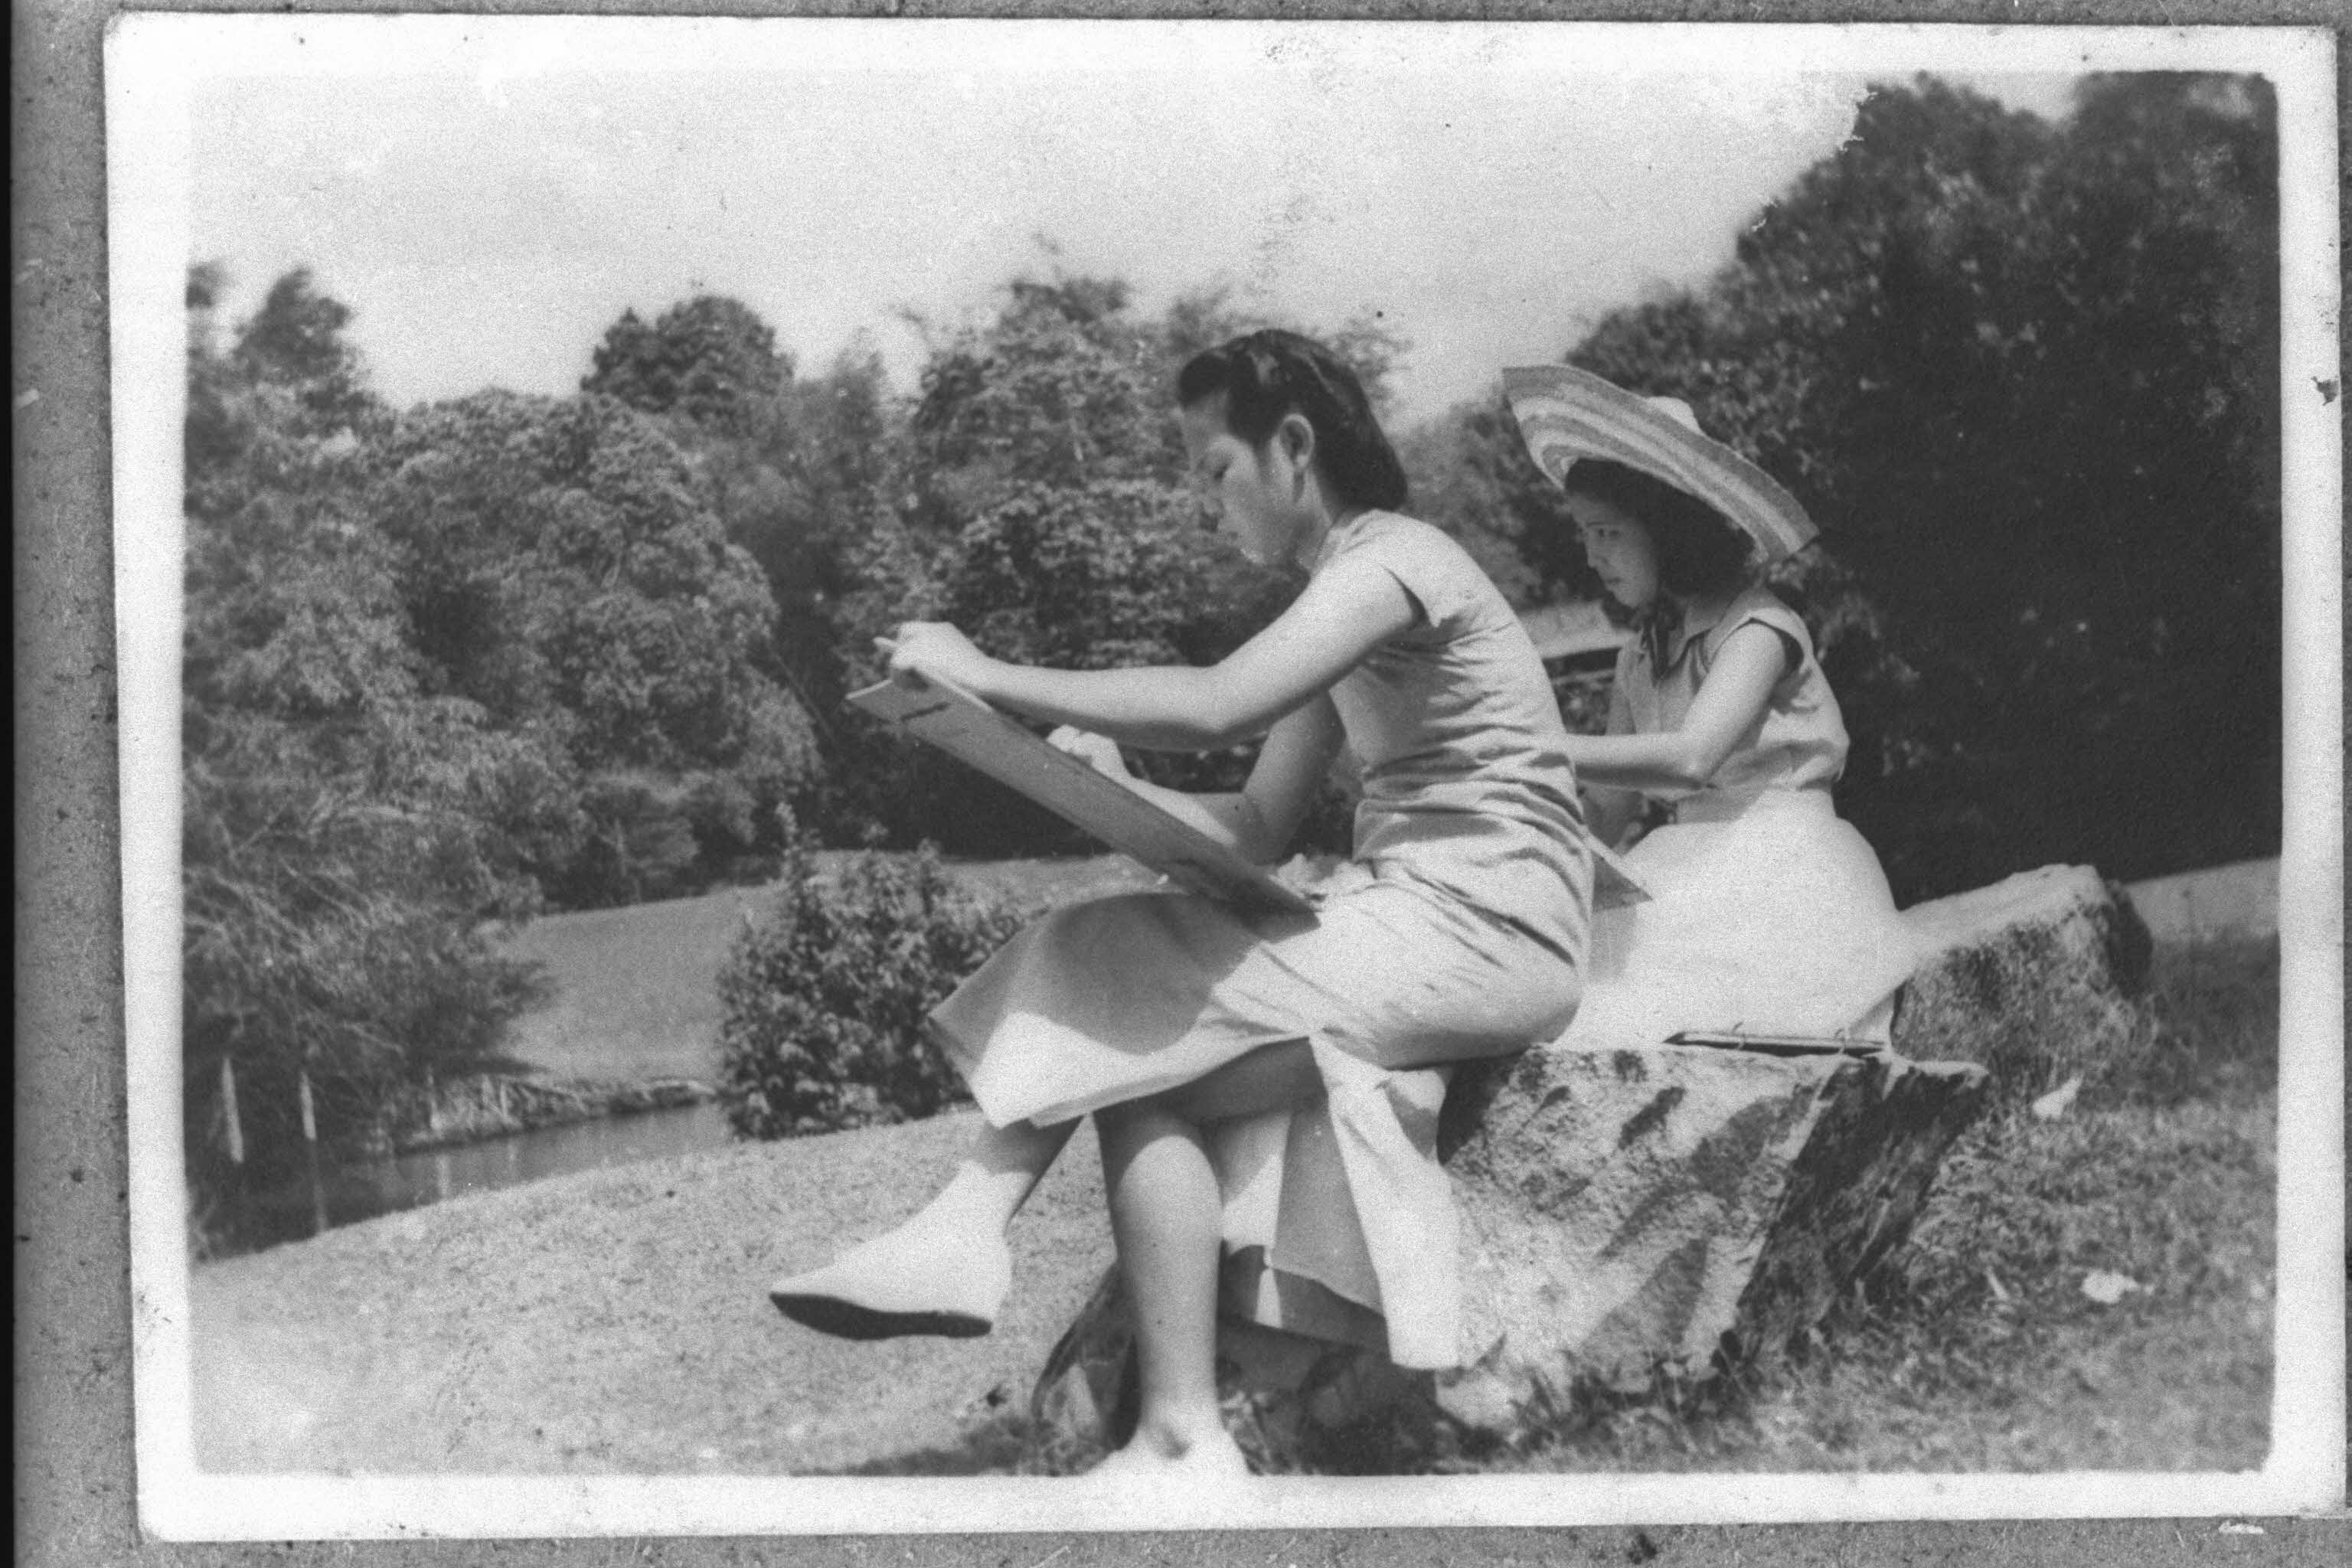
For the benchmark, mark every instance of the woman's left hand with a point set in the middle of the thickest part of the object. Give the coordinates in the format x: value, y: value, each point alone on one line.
x: 1098, y: 751
x: 933, y: 650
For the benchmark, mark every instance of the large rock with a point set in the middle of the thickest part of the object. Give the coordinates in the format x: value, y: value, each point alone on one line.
x: 1666, y: 1212
x: 1628, y: 1213
x: 2038, y: 977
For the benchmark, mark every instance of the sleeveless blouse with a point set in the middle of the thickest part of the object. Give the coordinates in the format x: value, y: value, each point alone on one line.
x: 1798, y: 743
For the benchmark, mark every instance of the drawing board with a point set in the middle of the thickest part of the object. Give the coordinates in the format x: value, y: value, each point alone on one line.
x: 965, y: 727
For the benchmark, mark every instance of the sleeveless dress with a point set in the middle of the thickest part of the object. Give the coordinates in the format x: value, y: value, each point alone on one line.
x: 1769, y: 914
x: 1457, y: 931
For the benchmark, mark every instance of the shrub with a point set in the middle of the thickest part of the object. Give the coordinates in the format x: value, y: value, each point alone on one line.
x: 823, y: 1003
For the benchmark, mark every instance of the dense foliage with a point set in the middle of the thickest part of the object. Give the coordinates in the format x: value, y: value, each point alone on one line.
x: 823, y: 1002
x: 439, y: 667
x: 345, y: 828
x: 561, y: 570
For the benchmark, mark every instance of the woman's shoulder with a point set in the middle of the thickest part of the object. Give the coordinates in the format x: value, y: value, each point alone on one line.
x: 1759, y: 597
x: 1758, y: 603
x: 1395, y: 530
x: 1428, y: 560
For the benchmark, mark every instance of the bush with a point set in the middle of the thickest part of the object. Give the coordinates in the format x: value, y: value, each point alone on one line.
x: 823, y: 1003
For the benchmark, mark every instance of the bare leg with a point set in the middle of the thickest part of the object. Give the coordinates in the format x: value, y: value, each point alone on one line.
x: 946, y: 1268
x: 1166, y: 1214
x: 1003, y: 1165
x: 996, y: 1175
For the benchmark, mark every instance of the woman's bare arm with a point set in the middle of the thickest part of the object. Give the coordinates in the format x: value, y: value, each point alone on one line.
x: 1347, y: 611
x: 1680, y: 760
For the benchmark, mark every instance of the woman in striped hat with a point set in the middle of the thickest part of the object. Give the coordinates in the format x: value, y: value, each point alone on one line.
x: 1769, y: 916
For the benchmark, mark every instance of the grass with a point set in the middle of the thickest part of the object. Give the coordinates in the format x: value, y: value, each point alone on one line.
x: 636, y: 990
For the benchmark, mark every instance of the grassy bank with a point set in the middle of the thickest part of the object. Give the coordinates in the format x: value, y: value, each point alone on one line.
x: 497, y: 1105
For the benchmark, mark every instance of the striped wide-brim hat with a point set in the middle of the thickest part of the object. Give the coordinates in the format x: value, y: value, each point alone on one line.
x: 1567, y: 414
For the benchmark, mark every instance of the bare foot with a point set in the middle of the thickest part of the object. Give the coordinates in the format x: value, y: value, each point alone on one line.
x: 1210, y: 1456
x: 920, y: 1278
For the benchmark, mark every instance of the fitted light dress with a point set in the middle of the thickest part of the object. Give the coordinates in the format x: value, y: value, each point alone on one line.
x: 1457, y: 931
x: 1769, y: 914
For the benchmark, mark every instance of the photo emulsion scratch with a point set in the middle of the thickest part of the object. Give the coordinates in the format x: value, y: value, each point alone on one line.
x: 986, y: 776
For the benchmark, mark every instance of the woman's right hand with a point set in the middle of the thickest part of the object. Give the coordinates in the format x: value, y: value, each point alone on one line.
x: 918, y: 651
x: 1100, y: 751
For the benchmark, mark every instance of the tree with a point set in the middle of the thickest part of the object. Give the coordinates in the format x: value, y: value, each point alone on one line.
x: 709, y: 372
x: 798, y: 470
x: 1057, y: 390
x: 345, y: 834
x: 709, y: 359
x: 847, y: 455
x: 559, y: 567
x: 2024, y: 377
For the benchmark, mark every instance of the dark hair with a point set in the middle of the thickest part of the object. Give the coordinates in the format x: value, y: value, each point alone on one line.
x: 1267, y: 375
x: 1700, y: 551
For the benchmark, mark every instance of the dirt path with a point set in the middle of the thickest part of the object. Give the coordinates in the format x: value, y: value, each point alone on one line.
x: 615, y: 1323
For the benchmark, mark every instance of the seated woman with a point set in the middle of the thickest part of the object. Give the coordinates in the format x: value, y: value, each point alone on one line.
x: 1769, y: 914
x: 1170, y: 1018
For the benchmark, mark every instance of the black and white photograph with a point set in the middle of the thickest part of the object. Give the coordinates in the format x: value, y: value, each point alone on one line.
x: 923, y: 776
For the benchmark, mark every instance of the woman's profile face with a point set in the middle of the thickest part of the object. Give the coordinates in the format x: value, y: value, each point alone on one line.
x: 1620, y: 548
x: 1247, y: 487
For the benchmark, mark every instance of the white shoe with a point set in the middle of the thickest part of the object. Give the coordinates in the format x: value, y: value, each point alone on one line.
x: 913, y: 1280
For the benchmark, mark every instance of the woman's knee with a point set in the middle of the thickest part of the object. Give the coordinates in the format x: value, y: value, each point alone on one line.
x: 1132, y: 1124
x: 1279, y: 1076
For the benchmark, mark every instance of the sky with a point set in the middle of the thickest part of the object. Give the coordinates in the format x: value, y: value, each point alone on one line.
x: 488, y: 202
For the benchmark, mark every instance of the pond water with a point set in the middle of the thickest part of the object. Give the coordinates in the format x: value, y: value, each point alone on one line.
x: 346, y: 1194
